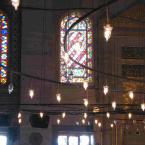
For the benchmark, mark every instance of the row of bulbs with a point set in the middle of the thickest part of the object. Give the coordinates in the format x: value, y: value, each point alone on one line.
x: 130, y: 93
x: 105, y: 90
x: 85, y: 101
x: 85, y: 115
x: 100, y: 124
x: 77, y: 123
x: 85, y: 85
x: 41, y: 114
x: 20, y: 116
x: 96, y: 122
x: 83, y: 120
x: 129, y: 115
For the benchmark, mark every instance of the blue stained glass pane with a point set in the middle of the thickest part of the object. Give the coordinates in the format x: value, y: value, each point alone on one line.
x: 4, y: 31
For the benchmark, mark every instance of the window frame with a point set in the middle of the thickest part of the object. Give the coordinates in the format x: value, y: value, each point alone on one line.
x: 90, y: 75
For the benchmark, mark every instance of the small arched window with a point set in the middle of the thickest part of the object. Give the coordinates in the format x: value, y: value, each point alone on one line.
x: 3, y: 47
x: 79, y: 47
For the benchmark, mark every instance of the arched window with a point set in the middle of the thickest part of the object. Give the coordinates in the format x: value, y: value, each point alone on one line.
x: 79, y: 47
x: 3, y: 47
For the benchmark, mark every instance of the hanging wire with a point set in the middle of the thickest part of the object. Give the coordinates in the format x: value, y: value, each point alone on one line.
x: 42, y: 93
x: 107, y: 11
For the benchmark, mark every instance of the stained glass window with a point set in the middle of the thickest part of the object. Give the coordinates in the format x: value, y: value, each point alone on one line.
x: 79, y: 47
x: 3, y: 47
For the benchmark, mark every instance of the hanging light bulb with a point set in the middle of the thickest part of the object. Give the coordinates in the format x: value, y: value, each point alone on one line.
x: 58, y: 97
x: 96, y: 121
x: 19, y: 115
x: 143, y: 106
x: 85, y: 85
x: 86, y: 102
x: 131, y: 95
x: 108, y: 115
x: 105, y: 89
x: 129, y: 115
x: 41, y: 114
x: 63, y: 115
x: 83, y: 121
x: 85, y: 115
x: 58, y: 121
x: 77, y: 123
x: 114, y: 105
x: 112, y: 125
x: 107, y: 31
x: 31, y: 93
x: 99, y: 124
x: 10, y: 88
x: 20, y: 120
x: 15, y: 3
